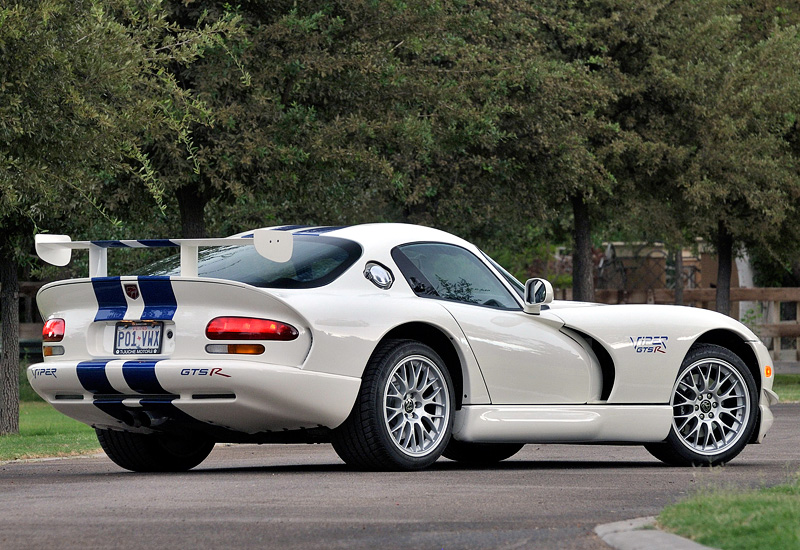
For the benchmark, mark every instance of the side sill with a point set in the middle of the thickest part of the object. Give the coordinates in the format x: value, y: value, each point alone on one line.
x: 563, y: 423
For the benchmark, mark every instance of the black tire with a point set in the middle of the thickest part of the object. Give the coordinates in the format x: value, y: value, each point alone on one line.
x: 715, y: 409
x: 403, y: 415
x: 153, y: 452
x: 480, y: 454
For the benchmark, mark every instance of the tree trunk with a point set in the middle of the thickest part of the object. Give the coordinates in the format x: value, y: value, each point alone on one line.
x: 192, y: 204
x: 9, y: 363
x: 582, y: 265
x: 725, y: 257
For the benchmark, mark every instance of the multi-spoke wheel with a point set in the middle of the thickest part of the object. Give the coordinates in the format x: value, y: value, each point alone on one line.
x: 714, y: 403
x: 404, y: 412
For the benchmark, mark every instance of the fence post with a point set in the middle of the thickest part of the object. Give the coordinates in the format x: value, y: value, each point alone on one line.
x: 679, y: 276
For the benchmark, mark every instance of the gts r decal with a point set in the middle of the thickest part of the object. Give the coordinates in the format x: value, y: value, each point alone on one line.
x: 204, y: 372
x: 650, y: 344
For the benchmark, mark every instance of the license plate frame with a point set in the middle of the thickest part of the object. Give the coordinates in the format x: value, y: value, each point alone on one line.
x: 138, y: 338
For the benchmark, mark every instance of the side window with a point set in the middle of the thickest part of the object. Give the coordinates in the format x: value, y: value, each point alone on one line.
x: 452, y: 273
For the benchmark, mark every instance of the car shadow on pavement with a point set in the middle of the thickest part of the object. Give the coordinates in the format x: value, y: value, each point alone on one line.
x: 442, y: 466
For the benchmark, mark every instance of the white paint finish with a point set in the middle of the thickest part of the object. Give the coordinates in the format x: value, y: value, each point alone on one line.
x: 116, y: 378
x: 98, y: 261
x: 563, y: 424
x: 767, y: 419
x: 201, y: 300
x: 135, y: 307
x: 51, y: 249
x: 349, y: 325
x: 274, y: 245
x: 646, y: 377
x: 524, y: 358
x: 75, y: 302
x: 268, y: 397
x: 506, y: 357
x: 188, y: 260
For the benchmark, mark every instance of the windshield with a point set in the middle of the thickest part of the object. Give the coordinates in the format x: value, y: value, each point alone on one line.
x: 316, y: 261
x: 519, y: 288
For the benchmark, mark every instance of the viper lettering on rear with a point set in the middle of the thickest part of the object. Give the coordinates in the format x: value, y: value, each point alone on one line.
x: 204, y: 372
x: 650, y: 344
x: 44, y: 372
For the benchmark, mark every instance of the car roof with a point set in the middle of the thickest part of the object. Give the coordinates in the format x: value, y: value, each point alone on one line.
x: 381, y: 235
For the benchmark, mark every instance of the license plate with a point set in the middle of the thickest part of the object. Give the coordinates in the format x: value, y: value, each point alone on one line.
x: 137, y: 338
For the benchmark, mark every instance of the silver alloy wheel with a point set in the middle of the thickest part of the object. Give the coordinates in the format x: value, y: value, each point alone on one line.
x: 710, y: 405
x: 416, y: 405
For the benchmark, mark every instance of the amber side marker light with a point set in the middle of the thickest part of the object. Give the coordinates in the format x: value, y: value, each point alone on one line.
x: 241, y: 349
x: 768, y: 371
x: 52, y: 351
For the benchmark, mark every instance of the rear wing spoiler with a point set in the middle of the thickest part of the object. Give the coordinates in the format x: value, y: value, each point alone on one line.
x: 57, y: 249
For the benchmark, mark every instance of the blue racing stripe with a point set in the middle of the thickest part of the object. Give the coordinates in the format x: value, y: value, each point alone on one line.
x: 155, y: 243
x: 319, y: 230
x: 111, y: 303
x: 141, y: 377
x: 110, y: 244
x: 289, y: 227
x: 93, y: 378
x: 159, y: 299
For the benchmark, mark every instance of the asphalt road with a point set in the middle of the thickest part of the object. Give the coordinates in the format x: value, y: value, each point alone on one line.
x: 282, y: 496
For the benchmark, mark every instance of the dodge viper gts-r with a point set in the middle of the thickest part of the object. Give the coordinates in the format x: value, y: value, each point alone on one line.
x: 395, y: 343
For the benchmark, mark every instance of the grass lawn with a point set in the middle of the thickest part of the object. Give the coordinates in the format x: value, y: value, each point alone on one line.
x: 761, y: 519
x: 787, y: 386
x: 43, y: 431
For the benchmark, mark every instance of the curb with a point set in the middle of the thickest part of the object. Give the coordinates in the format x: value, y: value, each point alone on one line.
x: 90, y: 454
x: 641, y: 534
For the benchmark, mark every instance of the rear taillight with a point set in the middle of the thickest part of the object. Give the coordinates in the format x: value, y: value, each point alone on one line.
x: 53, y: 330
x: 248, y: 328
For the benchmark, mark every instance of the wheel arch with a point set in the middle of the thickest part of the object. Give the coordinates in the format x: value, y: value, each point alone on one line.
x: 441, y: 343
x: 736, y: 344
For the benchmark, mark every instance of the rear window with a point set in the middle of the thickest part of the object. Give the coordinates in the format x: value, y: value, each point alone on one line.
x: 316, y: 261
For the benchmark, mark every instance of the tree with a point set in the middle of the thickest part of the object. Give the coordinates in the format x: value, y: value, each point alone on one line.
x: 297, y: 116
x: 713, y: 109
x: 705, y: 109
x: 81, y: 83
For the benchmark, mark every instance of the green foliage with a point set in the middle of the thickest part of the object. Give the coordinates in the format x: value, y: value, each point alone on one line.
x: 46, y: 432
x: 26, y: 392
x: 731, y: 520
x: 83, y: 84
x: 787, y: 386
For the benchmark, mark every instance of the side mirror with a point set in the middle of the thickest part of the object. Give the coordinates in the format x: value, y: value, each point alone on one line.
x: 537, y: 293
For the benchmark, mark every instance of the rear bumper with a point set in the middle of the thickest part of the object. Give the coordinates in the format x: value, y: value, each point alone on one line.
x: 241, y: 396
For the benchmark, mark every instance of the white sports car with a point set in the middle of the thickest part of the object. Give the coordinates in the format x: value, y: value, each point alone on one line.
x: 396, y: 343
